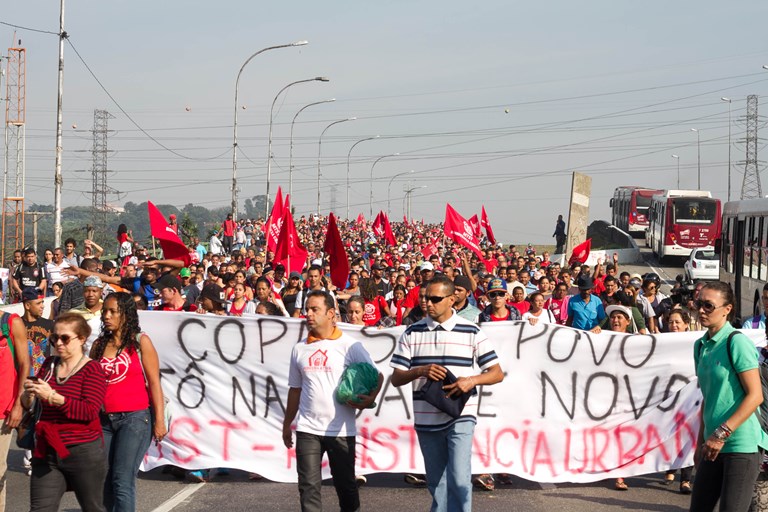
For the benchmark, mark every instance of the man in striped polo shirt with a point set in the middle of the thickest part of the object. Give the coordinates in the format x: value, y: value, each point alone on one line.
x: 440, y: 342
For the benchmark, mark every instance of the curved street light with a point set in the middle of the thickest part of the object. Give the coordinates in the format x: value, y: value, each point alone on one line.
x: 389, y: 189
x: 348, y: 157
x: 269, y: 144
x: 290, y: 158
x: 370, y: 198
x: 234, y: 133
x: 319, y: 147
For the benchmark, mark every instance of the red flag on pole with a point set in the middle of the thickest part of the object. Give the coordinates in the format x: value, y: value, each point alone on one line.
x: 335, y: 249
x: 378, y: 226
x: 459, y: 230
x: 475, y: 223
x: 275, y: 221
x: 487, y: 225
x: 430, y: 249
x: 405, y: 220
x: 173, y: 247
x: 286, y: 202
x: 581, y: 252
x: 360, y: 219
x: 389, y: 237
x: 289, y: 250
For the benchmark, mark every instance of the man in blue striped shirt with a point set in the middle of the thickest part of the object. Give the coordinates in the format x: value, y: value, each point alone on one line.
x: 440, y: 342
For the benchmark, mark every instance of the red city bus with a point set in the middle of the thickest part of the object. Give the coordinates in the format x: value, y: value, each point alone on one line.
x: 629, y: 208
x: 683, y: 220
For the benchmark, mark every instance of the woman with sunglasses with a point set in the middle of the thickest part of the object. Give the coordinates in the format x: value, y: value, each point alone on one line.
x: 133, y: 411
x: 727, y: 452
x: 69, y: 450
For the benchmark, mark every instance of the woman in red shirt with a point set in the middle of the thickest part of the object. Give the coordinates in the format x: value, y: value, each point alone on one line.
x: 375, y: 305
x: 132, y: 370
x: 69, y: 450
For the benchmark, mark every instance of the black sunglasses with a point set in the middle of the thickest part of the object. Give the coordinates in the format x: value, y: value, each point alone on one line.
x: 435, y: 299
x: 706, y: 305
x: 64, y: 338
x: 494, y: 295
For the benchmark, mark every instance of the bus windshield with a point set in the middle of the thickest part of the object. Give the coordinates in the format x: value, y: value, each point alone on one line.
x: 642, y: 202
x: 694, y: 211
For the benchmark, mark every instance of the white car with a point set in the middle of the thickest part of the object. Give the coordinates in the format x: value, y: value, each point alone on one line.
x: 702, y: 264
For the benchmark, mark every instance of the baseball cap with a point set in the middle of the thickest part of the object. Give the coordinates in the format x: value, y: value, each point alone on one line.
x: 185, y: 272
x: 585, y: 283
x: 496, y: 284
x: 31, y: 294
x: 294, y: 274
x: 172, y: 216
x: 167, y: 281
x: 214, y: 292
x: 93, y: 282
x: 426, y: 266
x: 464, y: 282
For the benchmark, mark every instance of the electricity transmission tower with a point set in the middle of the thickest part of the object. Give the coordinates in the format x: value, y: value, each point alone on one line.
x: 751, y: 187
x: 99, y: 205
x: 15, y: 150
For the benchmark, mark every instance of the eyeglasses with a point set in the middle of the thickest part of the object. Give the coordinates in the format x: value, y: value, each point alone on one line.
x: 706, y: 305
x: 435, y: 299
x: 496, y: 295
x: 63, y: 338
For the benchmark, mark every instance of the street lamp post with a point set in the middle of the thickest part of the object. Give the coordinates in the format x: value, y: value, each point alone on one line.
x: 319, y: 148
x: 698, y: 154
x: 676, y: 157
x: 389, y: 189
x: 269, y: 144
x: 234, y: 127
x: 370, y: 199
x: 408, y: 194
x: 348, y: 157
x: 729, y: 144
x: 290, y: 158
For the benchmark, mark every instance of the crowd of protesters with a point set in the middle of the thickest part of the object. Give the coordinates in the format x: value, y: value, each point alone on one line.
x: 74, y: 361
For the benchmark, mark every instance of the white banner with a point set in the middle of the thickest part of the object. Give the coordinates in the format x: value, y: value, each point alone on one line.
x: 573, y: 407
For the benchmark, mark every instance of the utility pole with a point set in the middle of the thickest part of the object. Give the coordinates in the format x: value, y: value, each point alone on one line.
x: 58, y: 181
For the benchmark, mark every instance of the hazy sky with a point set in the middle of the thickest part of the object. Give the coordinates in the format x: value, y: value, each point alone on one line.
x: 608, y: 88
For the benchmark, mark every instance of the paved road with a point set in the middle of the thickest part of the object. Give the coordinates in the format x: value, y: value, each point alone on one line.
x: 158, y: 492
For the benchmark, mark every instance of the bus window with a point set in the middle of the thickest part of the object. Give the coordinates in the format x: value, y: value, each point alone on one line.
x: 694, y: 211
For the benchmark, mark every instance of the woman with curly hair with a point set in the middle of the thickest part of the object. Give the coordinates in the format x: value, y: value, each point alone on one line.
x: 133, y: 411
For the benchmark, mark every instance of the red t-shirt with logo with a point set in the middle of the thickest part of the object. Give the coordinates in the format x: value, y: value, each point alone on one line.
x: 372, y: 313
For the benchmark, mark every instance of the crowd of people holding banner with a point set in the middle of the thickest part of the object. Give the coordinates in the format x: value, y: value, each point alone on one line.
x: 94, y: 375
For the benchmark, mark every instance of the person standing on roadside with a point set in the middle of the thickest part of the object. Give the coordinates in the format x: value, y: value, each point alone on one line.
x: 444, y: 338
x: 323, y: 425
x: 727, y: 454
x: 228, y: 231
x: 559, y: 235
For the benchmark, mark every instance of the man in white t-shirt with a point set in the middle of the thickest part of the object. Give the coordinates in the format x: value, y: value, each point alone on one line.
x: 324, y: 425
x: 55, y: 267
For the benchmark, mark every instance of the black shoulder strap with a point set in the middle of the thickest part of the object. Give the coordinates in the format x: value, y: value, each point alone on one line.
x: 728, y: 347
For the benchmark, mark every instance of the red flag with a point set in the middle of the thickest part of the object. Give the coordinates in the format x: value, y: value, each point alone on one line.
x: 173, y: 247
x: 487, y: 225
x: 286, y: 202
x: 389, y: 237
x: 378, y: 226
x: 405, y: 220
x: 458, y: 229
x: 335, y: 249
x: 275, y: 222
x: 430, y: 249
x: 360, y: 220
x: 289, y: 250
x: 475, y: 223
x: 581, y: 252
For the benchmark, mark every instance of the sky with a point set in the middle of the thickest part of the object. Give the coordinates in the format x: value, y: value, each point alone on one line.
x: 490, y: 103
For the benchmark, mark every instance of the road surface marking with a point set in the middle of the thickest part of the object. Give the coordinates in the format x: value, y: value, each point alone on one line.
x: 180, y: 497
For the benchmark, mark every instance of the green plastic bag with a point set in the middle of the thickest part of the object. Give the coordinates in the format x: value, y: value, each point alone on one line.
x: 357, y: 379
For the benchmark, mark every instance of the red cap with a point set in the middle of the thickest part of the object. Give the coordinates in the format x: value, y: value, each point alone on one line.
x: 172, y: 216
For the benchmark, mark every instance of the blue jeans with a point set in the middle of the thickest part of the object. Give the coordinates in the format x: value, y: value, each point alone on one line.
x: 126, y: 437
x: 448, y: 459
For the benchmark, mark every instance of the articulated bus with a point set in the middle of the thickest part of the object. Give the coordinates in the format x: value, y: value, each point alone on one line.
x: 629, y: 208
x: 744, y: 253
x: 682, y: 220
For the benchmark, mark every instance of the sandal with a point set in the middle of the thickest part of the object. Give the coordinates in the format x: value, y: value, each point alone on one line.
x: 670, y: 478
x: 685, y: 487
x: 621, y: 485
x: 484, y: 482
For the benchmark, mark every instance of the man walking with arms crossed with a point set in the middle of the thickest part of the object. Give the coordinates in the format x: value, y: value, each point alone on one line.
x: 324, y: 425
x: 427, y: 350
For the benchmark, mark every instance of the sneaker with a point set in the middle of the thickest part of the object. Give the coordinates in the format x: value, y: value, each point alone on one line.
x: 201, y: 475
x: 361, y: 480
x: 484, y: 482
x: 415, y: 480
x: 29, y: 471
